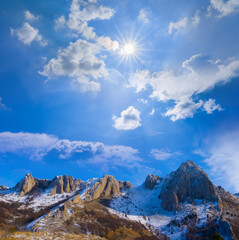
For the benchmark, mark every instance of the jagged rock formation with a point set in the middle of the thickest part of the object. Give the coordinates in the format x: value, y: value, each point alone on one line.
x: 60, y: 184
x: 3, y: 187
x: 83, y: 207
x: 64, y: 184
x: 26, y: 185
x: 107, y: 186
x: 151, y: 181
x: 188, y: 182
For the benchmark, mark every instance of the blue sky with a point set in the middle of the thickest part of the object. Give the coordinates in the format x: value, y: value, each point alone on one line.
x: 120, y: 87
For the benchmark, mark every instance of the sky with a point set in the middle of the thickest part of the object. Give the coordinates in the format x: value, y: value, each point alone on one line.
x: 127, y: 88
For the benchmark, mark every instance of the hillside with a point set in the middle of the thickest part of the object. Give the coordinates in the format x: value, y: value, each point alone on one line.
x: 183, y: 205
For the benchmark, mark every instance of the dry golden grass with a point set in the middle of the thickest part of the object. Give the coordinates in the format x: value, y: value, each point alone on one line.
x: 46, y: 236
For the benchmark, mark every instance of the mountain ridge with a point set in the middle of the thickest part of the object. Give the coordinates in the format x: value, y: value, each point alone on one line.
x: 184, y: 203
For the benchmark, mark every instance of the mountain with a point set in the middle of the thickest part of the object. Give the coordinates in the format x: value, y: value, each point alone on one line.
x: 189, y: 182
x: 183, y: 205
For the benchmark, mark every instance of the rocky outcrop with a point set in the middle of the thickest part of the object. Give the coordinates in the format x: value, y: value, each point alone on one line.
x: 124, y: 185
x: 3, y: 187
x: 64, y: 184
x: 107, y: 186
x: 187, y: 183
x: 151, y: 181
x: 60, y: 184
x: 26, y: 185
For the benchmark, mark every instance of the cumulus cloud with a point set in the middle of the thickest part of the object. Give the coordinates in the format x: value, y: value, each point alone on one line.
x: 223, y: 158
x: 129, y: 119
x: 183, y: 109
x: 162, y: 154
x: 210, y: 106
x: 224, y: 8
x: 81, y: 13
x: 143, y: 15
x: 27, y: 34
x: 30, y: 17
x: 79, y: 62
x: 184, y: 23
x: 60, y: 22
x: 108, y: 43
x: 36, y: 146
x: 197, y: 75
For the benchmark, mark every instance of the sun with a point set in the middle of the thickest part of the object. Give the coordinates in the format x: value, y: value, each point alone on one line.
x: 128, y: 49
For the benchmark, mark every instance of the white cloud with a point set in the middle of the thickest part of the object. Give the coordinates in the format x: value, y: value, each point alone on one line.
x: 79, y: 62
x: 143, y: 15
x: 60, y: 22
x: 177, y: 26
x: 224, y: 8
x: 183, y: 109
x: 145, y: 101
x: 163, y: 154
x: 85, y: 85
x: 36, y: 146
x: 223, y: 158
x: 197, y: 75
x: 90, y: 11
x: 107, y: 43
x: 184, y: 23
x: 152, y: 112
x: 27, y: 34
x: 140, y: 79
x: 210, y: 106
x: 196, y: 18
x: 81, y: 13
x: 30, y: 17
x: 129, y: 119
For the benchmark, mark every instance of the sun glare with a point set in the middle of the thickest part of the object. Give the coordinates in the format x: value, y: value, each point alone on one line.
x: 128, y: 49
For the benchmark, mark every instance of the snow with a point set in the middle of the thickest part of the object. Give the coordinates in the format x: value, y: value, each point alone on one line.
x: 44, y: 198
x: 143, y: 205
x: 136, y: 203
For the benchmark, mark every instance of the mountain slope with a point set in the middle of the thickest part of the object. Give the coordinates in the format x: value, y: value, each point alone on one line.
x: 183, y: 205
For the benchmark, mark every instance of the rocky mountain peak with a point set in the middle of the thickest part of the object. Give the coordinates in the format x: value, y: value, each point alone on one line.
x: 189, y: 164
x: 3, y: 187
x: 151, y: 181
x: 25, y: 185
x: 64, y: 184
x: 107, y: 186
x: 188, y: 182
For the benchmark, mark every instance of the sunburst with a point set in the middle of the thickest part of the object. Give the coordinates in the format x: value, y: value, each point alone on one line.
x: 130, y: 49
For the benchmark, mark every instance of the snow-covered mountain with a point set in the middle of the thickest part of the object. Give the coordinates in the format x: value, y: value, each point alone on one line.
x: 183, y: 205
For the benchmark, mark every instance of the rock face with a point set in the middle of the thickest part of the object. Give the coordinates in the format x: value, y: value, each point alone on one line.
x: 64, y: 184
x: 151, y: 181
x: 26, y: 185
x: 3, y: 187
x: 107, y: 186
x: 60, y: 184
x: 188, y: 182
